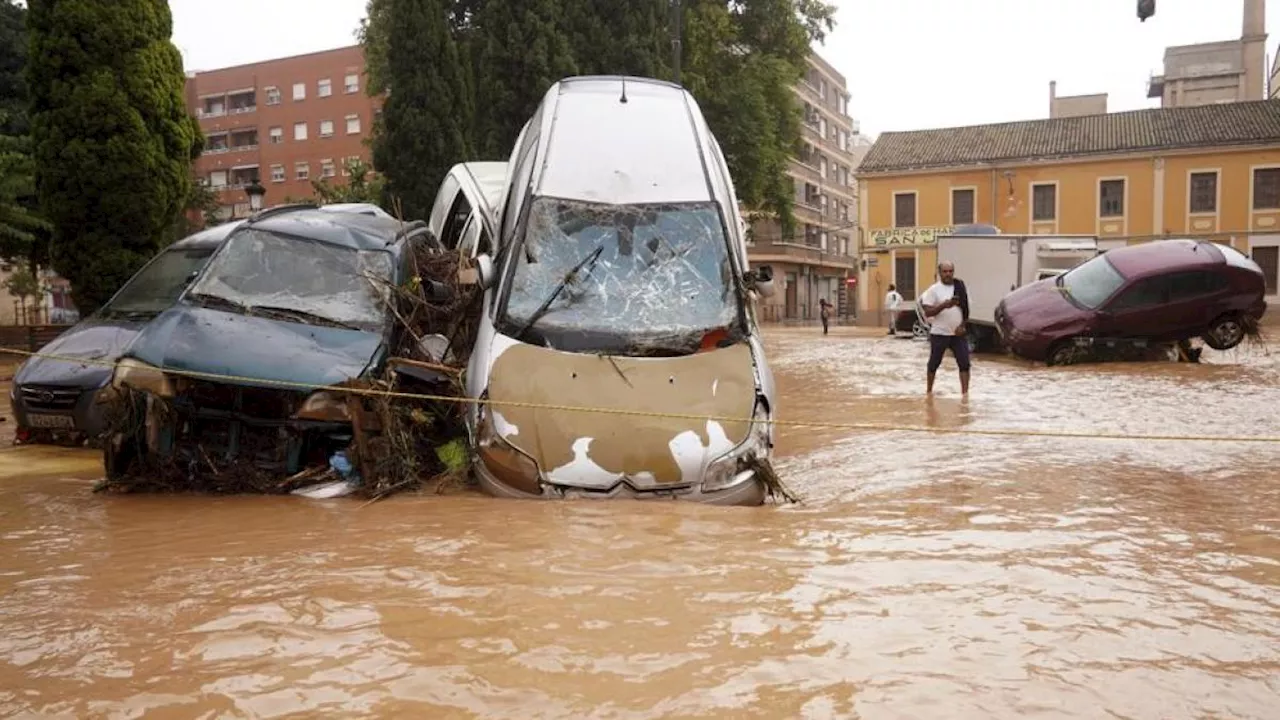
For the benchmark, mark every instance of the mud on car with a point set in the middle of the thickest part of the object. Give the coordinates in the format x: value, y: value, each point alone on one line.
x: 1165, y: 291
x: 243, y: 369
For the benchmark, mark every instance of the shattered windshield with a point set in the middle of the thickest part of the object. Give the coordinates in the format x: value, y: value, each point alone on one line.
x: 303, y: 280
x: 1091, y: 282
x: 158, y: 284
x: 657, y: 274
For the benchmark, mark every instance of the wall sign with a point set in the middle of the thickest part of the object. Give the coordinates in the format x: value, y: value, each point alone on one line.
x: 910, y: 236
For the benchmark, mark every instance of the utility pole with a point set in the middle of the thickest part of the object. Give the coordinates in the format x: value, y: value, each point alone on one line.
x: 677, y: 18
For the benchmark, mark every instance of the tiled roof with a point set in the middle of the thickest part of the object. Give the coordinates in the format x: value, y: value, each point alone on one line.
x: 1227, y: 124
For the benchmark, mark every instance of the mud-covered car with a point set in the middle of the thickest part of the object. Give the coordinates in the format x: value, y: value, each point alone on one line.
x: 620, y: 284
x: 55, y: 398
x: 296, y: 300
x: 1165, y: 291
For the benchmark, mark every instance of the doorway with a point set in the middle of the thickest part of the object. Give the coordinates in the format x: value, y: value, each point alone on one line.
x: 1268, y: 258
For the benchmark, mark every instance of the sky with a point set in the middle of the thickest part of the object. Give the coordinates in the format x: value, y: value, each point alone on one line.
x: 909, y: 64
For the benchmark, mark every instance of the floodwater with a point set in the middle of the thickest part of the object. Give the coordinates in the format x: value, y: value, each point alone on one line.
x: 923, y: 576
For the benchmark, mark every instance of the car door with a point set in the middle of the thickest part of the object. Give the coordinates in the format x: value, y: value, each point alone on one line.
x: 1137, y: 311
x: 1193, y: 301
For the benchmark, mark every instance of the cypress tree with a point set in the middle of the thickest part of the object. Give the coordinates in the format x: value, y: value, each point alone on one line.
x: 113, y: 141
x: 423, y: 128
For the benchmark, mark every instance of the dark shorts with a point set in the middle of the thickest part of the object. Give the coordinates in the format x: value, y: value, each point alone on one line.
x: 959, y: 345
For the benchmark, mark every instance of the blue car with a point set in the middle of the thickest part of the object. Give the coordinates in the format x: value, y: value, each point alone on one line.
x: 296, y: 299
x: 55, y: 399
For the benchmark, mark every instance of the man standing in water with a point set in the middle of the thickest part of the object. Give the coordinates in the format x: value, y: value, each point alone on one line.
x: 825, y: 312
x: 893, y: 301
x: 947, y: 302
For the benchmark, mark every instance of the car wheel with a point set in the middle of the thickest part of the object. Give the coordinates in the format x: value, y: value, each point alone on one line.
x: 1064, y: 352
x: 1225, y: 333
x: 919, y: 330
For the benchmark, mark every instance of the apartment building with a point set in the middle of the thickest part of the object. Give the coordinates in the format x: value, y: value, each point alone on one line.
x: 1203, y: 171
x: 282, y: 122
x: 1215, y: 72
x: 817, y: 262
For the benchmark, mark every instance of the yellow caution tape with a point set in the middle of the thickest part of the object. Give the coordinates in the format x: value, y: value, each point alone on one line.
x: 878, y: 427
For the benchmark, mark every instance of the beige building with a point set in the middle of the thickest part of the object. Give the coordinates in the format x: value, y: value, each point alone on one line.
x: 1216, y: 72
x: 817, y: 261
x: 1075, y: 105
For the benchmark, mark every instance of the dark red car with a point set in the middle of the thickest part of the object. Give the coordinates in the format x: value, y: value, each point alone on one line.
x: 1160, y: 292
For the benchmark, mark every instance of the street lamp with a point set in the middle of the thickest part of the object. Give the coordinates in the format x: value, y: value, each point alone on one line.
x: 255, y: 191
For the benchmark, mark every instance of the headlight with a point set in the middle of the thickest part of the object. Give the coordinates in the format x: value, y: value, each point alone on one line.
x: 503, y: 460
x: 731, y: 469
x: 141, y: 376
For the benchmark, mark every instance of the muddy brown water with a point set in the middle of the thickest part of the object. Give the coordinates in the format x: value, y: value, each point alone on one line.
x: 923, y: 576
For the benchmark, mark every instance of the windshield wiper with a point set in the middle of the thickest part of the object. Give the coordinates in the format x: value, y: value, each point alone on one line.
x: 572, y: 274
x: 207, y: 299
x: 302, y: 315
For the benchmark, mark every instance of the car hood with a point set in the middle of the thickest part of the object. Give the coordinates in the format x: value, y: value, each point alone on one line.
x: 96, y: 342
x: 254, y: 350
x: 662, y: 446
x: 1040, y: 304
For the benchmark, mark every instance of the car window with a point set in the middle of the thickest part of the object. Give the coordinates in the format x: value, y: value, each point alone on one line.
x: 455, y: 223
x: 1144, y: 293
x: 1194, y: 284
x: 159, y: 283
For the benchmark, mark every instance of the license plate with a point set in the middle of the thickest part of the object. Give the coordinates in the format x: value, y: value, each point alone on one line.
x: 62, y: 422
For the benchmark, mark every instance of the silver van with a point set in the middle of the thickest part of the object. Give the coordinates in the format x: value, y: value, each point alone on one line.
x: 617, y: 280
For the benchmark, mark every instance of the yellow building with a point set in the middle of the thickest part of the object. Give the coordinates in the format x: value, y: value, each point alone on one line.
x: 1210, y: 171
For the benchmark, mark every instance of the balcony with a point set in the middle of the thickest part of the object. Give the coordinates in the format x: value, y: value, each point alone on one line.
x: 798, y: 252
x: 235, y: 102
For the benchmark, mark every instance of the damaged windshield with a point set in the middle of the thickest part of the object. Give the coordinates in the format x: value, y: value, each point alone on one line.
x: 622, y: 275
x: 298, y: 279
x: 1091, y: 282
x: 158, y: 284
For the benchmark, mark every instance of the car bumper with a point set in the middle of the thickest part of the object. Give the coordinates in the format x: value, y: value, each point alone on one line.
x: 748, y: 494
x: 57, y: 409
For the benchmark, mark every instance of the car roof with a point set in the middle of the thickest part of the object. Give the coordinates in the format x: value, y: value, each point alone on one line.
x: 1162, y: 255
x: 647, y: 149
x: 210, y: 237
x: 354, y: 230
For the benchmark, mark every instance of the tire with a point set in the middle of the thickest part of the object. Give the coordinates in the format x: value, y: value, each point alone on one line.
x: 1064, y: 352
x: 1224, y: 333
x: 918, y: 330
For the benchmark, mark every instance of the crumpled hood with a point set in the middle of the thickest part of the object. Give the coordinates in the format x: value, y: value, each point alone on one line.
x: 96, y: 340
x: 596, y: 450
x: 254, y: 349
x: 1040, y: 304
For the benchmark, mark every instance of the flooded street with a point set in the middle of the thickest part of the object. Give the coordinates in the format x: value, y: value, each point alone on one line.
x: 959, y: 576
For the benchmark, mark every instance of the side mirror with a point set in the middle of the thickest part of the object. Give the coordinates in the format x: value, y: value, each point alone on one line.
x: 761, y: 280
x: 480, y: 273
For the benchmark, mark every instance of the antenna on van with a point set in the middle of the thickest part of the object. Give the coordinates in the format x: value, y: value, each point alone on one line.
x: 623, y: 99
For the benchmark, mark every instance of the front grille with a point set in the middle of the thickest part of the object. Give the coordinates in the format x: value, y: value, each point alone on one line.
x: 50, y: 398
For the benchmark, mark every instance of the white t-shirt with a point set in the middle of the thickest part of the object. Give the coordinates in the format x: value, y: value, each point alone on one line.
x: 893, y: 300
x: 945, y: 322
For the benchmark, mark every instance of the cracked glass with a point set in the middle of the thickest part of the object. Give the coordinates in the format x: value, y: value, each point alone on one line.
x: 635, y: 275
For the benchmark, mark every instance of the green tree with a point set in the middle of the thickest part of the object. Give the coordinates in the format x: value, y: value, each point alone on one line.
x: 363, y: 186
x: 523, y: 49
x: 612, y: 38
x: 20, y: 229
x: 423, y: 130
x: 13, y: 56
x: 113, y: 141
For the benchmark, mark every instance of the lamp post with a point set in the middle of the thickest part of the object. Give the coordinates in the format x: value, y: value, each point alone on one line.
x: 255, y: 191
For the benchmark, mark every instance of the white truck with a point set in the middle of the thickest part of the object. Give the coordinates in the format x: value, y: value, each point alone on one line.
x: 993, y: 264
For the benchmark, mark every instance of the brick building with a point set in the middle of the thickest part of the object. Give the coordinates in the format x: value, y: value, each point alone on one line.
x: 284, y: 122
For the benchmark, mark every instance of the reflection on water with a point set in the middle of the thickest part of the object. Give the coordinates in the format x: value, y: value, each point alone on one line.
x: 924, y: 576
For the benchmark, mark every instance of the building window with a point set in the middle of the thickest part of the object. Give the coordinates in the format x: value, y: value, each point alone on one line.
x: 1044, y: 203
x: 904, y: 210
x: 275, y: 135
x: 277, y: 173
x: 962, y: 206
x: 326, y: 168
x: 1111, y: 198
x: 302, y: 170
x: 1204, y: 192
x: 350, y: 162
x: 299, y: 91
x: 326, y: 128
x: 324, y: 88
x: 353, y: 124
x: 904, y: 273
x: 352, y: 83
x: 300, y: 131
x: 1266, y: 189
x: 218, y: 178
x: 273, y: 96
